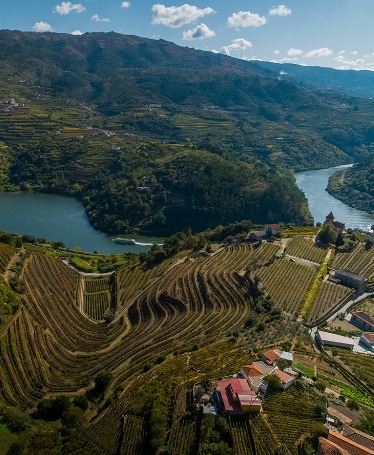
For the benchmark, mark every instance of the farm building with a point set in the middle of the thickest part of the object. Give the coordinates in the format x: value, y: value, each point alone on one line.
x: 273, y: 229
x: 270, y: 357
x: 286, y: 379
x: 367, y: 339
x: 362, y: 321
x: 339, y: 444
x: 359, y: 436
x: 331, y: 339
x: 254, y: 375
x: 352, y: 280
x: 237, y: 397
x: 256, y: 235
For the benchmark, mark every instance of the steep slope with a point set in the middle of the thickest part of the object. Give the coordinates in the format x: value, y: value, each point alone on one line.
x: 352, y: 82
x: 355, y: 186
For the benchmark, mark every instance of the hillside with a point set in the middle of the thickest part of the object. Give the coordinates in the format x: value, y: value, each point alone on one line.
x: 153, y: 137
x: 69, y: 377
x: 354, y: 186
x: 351, y: 82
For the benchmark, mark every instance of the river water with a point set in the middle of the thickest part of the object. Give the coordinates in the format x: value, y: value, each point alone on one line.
x: 56, y: 217
x: 60, y: 218
x: 321, y: 203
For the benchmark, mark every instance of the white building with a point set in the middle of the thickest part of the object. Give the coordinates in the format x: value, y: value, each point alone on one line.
x: 331, y: 339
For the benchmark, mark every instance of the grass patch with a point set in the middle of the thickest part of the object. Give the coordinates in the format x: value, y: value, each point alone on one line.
x: 349, y: 391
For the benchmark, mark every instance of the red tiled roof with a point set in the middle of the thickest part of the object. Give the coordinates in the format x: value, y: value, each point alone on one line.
x: 284, y: 377
x: 329, y: 448
x: 359, y: 436
x: 335, y: 413
x: 369, y: 337
x: 252, y: 370
x: 272, y: 356
x: 275, y: 227
x: 352, y: 447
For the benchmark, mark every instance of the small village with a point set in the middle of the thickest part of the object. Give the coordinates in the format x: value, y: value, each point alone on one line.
x: 244, y: 392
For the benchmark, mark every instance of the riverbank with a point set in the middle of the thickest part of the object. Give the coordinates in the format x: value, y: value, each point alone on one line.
x: 321, y: 203
x: 59, y: 218
x: 353, y: 187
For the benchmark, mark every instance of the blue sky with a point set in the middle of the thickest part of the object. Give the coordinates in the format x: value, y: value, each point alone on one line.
x: 334, y: 33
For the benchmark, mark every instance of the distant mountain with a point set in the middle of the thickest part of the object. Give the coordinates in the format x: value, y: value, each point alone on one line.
x: 350, y: 82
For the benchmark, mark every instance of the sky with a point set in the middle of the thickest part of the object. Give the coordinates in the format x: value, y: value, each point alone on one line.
x: 332, y: 33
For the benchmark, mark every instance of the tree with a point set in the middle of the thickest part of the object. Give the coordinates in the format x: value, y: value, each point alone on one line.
x: 81, y: 402
x: 73, y: 418
x: 353, y: 405
x: 274, y: 382
x: 366, y: 423
x: 102, y: 381
x: 327, y: 234
x: 339, y: 240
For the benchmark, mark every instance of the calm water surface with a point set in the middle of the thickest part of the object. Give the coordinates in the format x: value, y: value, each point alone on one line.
x: 321, y: 203
x: 56, y: 217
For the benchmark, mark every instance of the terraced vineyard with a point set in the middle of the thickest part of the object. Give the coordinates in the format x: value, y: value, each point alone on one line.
x: 287, y: 283
x: 305, y: 248
x: 290, y: 416
x: 6, y: 252
x: 170, y: 328
x: 328, y: 297
x: 98, y: 296
x: 359, y: 261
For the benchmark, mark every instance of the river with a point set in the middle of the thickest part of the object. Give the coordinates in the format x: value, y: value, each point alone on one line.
x: 56, y: 217
x: 321, y: 203
x: 60, y: 218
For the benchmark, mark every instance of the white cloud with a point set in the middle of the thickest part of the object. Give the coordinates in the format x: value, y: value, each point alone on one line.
x: 355, y: 52
x: 292, y: 52
x: 277, y: 52
x: 76, y: 32
x: 286, y: 59
x: 200, y: 32
x: 322, y: 52
x: 280, y: 10
x: 125, y: 5
x: 344, y: 61
x: 176, y: 16
x: 97, y: 18
x: 42, y: 27
x: 236, y: 44
x: 341, y: 52
x: 67, y: 7
x: 245, y: 19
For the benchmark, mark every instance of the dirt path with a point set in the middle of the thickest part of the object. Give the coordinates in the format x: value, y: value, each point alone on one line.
x: 8, y: 272
x: 343, y: 177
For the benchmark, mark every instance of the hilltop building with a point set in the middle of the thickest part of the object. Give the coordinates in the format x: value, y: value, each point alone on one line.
x: 337, y: 225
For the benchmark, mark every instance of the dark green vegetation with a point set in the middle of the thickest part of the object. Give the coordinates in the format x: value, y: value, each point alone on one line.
x: 154, y: 137
x: 355, y: 186
x: 354, y: 83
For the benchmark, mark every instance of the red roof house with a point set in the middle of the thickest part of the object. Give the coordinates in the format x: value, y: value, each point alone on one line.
x: 338, y: 444
x: 237, y: 397
x: 286, y: 379
x: 270, y: 357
